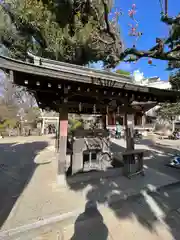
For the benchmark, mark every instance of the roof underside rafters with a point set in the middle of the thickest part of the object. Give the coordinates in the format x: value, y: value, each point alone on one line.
x: 82, y: 88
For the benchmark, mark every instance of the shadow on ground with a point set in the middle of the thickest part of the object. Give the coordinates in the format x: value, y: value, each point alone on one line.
x: 149, y: 208
x: 158, y: 156
x: 94, y: 230
x: 16, y: 169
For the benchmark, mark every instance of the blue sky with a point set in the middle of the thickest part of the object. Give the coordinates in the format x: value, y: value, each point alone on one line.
x: 148, y: 16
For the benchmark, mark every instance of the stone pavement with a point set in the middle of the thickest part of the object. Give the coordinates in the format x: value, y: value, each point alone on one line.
x: 42, y: 203
x: 113, y: 228
x: 42, y: 198
x: 149, y: 215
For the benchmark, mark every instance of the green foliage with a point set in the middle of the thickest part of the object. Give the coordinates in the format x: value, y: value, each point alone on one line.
x: 32, y: 114
x: 74, y: 124
x: 169, y: 110
x: 58, y: 30
x: 174, y: 41
x: 175, y: 80
x: 122, y: 72
x: 8, y: 124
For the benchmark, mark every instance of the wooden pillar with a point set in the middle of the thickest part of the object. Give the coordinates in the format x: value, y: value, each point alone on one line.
x: 114, y: 118
x: 130, y: 123
x: 173, y: 125
x: 106, y: 121
x: 58, y: 134
x: 143, y: 120
x: 42, y: 126
x: 63, y: 131
x: 129, y: 131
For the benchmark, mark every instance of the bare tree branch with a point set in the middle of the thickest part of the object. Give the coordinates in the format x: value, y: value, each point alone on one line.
x: 169, y: 20
x: 172, y: 55
x: 108, y: 27
x: 177, y: 48
x: 98, y: 38
x: 141, y: 54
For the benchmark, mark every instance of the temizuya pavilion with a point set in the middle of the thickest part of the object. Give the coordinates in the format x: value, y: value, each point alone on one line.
x: 68, y: 88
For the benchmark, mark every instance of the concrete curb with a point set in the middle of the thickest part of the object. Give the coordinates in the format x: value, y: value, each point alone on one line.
x: 6, y: 234
x: 38, y: 224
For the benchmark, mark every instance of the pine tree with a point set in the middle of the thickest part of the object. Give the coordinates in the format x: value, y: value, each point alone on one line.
x: 68, y: 31
x: 78, y: 31
x: 169, y: 111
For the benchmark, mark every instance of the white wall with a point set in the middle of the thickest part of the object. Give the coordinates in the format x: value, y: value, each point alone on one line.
x: 138, y: 77
x: 160, y: 85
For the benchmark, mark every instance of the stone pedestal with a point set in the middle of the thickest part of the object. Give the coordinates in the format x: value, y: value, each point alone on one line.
x: 77, y: 157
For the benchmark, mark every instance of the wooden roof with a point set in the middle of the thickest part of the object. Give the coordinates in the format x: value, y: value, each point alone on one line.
x: 54, y: 83
x: 143, y: 106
